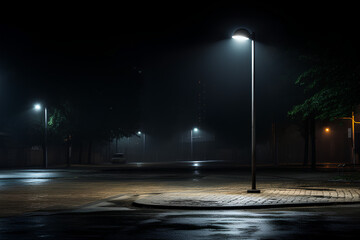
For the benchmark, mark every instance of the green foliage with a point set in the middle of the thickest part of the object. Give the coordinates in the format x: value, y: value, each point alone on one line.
x: 56, y: 120
x: 58, y: 123
x: 331, y: 87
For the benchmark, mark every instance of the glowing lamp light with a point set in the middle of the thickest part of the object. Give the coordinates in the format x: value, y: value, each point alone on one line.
x: 241, y: 34
x: 139, y: 133
x: 327, y: 130
x: 37, y: 107
x: 240, y: 38
x: 196, y: 129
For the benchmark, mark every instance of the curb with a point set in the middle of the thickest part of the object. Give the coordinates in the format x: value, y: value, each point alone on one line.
x: 268, y: 206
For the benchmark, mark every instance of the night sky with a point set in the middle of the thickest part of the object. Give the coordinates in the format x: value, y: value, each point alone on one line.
x: 56, y: 52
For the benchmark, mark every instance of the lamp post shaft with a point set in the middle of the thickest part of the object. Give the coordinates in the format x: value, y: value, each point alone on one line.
x: 144, y: 145
x: 45, y: 138
x: 253, y: 142
x: 253, y: 139
x: 353, y: 138
x: 191, y: 145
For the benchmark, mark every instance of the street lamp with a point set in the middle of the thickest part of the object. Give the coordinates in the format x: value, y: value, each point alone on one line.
x: 143, y: 136
x: 195, y: 129
x: 37, y: 107
x: 242, y: 34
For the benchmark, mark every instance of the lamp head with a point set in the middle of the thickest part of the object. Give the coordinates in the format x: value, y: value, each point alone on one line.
x: 37, y: 107
x: 242, y: 34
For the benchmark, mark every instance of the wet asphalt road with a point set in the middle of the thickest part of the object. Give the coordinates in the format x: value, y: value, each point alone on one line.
x: 128, y: 222
x: 304, y: 223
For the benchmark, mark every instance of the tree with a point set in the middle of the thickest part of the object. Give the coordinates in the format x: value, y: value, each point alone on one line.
x: 331, y: 86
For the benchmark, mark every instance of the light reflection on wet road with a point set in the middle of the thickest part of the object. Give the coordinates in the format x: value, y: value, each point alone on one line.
x: 305, y: 223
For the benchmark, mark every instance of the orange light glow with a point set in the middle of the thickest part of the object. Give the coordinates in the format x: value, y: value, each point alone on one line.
x: 327, y: 130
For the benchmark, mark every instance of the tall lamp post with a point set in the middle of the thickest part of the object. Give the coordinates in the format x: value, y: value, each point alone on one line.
x: 242, y: 34
x: 195, y: 129
x: 37, y: 107
x: 143, y: 136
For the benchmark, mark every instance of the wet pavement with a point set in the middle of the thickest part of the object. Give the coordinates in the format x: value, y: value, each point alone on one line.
x: 305, y: 223
x: 97, y: 203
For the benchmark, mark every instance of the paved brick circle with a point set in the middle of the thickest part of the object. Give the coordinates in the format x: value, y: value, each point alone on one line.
x: 267, y: 198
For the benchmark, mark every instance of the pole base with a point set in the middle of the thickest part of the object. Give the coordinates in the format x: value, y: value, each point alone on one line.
x: 253, y: 191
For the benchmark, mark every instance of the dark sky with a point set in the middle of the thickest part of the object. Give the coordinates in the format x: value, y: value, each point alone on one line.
x: 45, y: 50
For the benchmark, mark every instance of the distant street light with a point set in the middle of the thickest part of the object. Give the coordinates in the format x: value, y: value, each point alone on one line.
x: 37, y: 107
x: 243, y: 34
x: 195, y: 129
x: 143, y: 136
